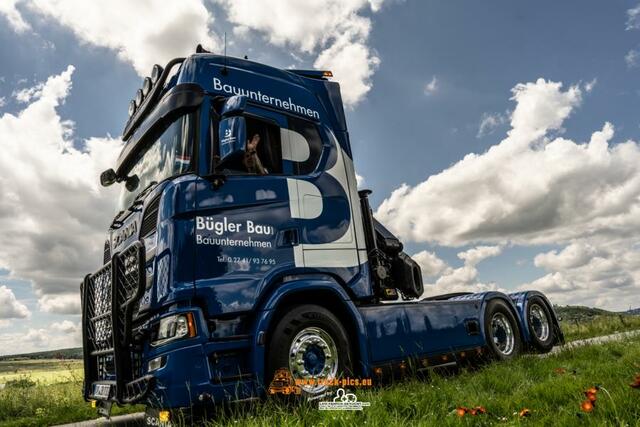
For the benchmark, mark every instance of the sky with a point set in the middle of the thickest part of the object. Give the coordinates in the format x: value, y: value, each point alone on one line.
x: 500, y: 138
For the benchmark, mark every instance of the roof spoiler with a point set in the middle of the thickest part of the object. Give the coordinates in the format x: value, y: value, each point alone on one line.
x: 313, y: 74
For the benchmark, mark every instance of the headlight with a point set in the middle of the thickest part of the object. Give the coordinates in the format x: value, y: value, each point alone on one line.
x: 156, y: 72
x: 146, y: 86
x: 132, y: 108
x: 139, y: 97
x: 172, y: 328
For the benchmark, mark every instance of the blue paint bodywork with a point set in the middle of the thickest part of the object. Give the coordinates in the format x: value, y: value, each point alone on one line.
x: 238, y: 293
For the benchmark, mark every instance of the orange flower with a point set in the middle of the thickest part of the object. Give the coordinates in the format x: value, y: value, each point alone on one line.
x: 592, y: 390
x: 636, y: 382
x: 481, y: 410
x: 587, y: 406
x: 525, y: 412
x: 461, y: 411
x: 590, y: 396
x: 560, y: 371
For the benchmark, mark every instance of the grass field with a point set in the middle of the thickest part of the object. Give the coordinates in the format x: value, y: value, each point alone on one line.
x: 41, y: 371
x: 44, y: 392
x: 579, y: 328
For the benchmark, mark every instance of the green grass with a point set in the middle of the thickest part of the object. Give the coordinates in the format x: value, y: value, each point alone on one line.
x: 502, y: 388
x: 575, y: 329
x: 44, y: 392
x: 48, y: 392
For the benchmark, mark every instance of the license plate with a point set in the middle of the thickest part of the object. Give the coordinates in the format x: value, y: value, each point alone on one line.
x: 101, y: 391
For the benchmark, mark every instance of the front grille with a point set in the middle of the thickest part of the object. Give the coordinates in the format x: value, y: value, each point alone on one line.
x: 107, y: 253
x: 109, y: 297
x: 150, y: 218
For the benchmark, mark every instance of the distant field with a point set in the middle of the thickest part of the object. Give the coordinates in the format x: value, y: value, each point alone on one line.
x: 602, y: 324
x: 41, y: 371
x: 44, y: 392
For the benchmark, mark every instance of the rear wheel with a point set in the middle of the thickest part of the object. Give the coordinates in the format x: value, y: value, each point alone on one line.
x: 313, y: 345
x: 540, y: 325
x: 501, y: 331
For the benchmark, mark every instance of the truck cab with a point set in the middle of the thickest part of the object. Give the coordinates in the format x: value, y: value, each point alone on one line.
x: 241, y: 246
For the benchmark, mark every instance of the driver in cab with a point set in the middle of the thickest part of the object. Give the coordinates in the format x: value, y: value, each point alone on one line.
x: 251, y: 160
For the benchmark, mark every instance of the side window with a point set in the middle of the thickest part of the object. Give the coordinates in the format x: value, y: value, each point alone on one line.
x: 305, y: 145
x: 264, y: 147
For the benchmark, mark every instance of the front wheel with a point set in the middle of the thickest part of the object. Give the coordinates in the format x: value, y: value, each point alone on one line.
x: 501, y: 331
x: 313, y: 345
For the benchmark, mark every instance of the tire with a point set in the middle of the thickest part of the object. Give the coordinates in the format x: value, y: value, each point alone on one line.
x: 318, y: 339
x: 501, y: 331
x: 540, y: 325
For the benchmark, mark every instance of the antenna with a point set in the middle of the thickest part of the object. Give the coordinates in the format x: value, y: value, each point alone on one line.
x: 224, y: 70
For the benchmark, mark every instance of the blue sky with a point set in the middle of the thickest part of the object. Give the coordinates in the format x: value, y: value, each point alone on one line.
x: 419, y: 77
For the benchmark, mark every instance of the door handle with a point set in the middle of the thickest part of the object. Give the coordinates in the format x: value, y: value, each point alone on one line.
x: 288, y: 237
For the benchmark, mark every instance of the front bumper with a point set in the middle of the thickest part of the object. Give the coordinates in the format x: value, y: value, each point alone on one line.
x: 112, y: 360
x: 197, y: 370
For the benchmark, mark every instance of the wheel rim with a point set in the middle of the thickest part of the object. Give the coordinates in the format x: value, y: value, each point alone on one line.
x: 502, y: 334
x: 539, y: 322
x: 313, y: 355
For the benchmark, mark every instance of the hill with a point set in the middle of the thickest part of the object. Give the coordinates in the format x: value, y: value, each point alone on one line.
x: 65, y: 353
x: 582, y: 312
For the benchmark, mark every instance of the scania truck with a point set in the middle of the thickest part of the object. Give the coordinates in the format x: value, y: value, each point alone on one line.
x: 242, y: 246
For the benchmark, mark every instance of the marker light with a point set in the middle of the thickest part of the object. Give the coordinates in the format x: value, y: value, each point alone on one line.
x: 156, y: 363
x: 132, y: 107
x: 146, y: 86
x: 139, y: 97
x: 155, y: 73
x: 164, y: 416
x: 327, y: 74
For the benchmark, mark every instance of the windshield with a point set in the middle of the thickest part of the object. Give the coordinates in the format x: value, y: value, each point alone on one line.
x: 167, y: 156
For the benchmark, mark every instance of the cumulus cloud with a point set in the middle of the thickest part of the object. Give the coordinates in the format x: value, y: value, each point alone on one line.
x: 10, y: 307
x: 142, y: 32
x: 337, y: 32
x: 538, y: 187
x: 431, y: 87
x: 592, y: 271
x: 64, y: 334
x: 633, y: 18
x: 54, y: 213
x: 528, y: 188
x: 359, y: 180
x: 588, y: 86
x: 37, y: 337
x: 430, y: 264
x: 60, y: 304
x: 352, y: 64
x: 489, y: 122
x: 462, y: 279
x: 13, y: 16
x: 66, y: 327
x: 632, y: 58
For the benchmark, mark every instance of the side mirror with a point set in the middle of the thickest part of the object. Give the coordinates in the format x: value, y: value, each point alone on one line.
x: 232, y: 134
x: 108, y: 177
x: 234, y: 106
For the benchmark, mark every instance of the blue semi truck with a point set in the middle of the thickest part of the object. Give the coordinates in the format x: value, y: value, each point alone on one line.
x: 242, y: 246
